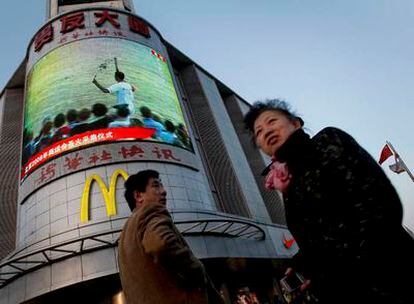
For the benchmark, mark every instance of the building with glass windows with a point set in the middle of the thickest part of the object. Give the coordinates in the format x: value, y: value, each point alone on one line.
x: 67, y: 148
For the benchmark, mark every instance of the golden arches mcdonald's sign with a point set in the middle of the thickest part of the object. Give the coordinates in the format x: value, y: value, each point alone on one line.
x: 108, y: 194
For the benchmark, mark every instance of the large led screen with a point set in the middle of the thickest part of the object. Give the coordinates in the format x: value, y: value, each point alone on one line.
x: 99, y: 90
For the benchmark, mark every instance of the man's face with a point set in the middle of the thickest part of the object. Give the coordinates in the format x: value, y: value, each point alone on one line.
x: 154, y: 193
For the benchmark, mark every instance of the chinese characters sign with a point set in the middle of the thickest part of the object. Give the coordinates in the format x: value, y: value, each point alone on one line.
x: 82, y: 140
x: 73, y: 26
x: 102, y: 155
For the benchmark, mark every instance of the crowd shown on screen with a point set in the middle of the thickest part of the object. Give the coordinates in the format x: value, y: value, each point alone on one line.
x: 77, y: 122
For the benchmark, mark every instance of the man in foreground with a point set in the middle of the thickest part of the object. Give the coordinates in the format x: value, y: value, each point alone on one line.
x: 156, y: 264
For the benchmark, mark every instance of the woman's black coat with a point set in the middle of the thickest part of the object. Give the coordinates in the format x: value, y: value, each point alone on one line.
x: 347, y: 220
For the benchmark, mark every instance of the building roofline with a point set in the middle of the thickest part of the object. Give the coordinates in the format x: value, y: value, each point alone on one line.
x: 183, y: 59
x: 178, y: 57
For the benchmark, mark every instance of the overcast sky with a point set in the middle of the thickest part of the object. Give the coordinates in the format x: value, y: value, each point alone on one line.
x: 343, y: 63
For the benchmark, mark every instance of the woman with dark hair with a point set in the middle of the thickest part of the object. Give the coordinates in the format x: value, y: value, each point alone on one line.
x: 341, y: 208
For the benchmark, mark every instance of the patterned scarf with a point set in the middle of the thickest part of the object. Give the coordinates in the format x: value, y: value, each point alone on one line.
x: 278, y: 177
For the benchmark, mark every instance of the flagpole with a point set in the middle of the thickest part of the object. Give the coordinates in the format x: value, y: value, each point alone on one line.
x: 400, y: 160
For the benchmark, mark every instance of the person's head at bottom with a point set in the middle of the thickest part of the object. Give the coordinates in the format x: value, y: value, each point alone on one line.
x: 144, y: 187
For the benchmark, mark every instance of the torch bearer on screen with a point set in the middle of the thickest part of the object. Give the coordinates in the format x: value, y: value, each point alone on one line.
x: 116, y: 64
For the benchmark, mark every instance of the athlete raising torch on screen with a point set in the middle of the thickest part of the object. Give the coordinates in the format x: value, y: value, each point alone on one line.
x: 122, y: 89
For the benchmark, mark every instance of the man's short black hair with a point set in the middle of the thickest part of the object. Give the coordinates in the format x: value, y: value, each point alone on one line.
x: 122, y: 110
x: 119, y: 75
x: 72, y: 115
x: 138, y: 182
x: 169, y: 126
x: 99, y: 109
x: 84, y: 114
x: 59, y: 120
x: 269, y: 105
x: 145, y: 112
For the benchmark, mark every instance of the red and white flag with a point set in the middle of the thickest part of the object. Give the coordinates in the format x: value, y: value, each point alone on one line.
x: 398, y: 167
x: 385, y: 154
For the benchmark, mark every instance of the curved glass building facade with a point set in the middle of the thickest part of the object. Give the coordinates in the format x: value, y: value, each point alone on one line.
x: 74, y: 145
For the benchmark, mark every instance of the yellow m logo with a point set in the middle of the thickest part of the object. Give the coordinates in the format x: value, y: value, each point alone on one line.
x: 108, y: 195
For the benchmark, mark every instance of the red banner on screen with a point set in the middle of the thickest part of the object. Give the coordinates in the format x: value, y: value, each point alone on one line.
x: 83, y: 140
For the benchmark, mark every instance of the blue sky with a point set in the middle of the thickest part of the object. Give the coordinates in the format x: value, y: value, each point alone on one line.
x: 339, y: 63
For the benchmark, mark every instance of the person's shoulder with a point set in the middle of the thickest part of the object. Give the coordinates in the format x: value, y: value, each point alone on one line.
x: 151, y: 209
x: 159, y: 125
x: 115, y: 86
x: 332, y: 134
x: 331, y: 131
x: 336, y: 143
x: 125, y: 85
